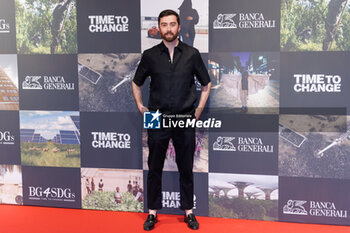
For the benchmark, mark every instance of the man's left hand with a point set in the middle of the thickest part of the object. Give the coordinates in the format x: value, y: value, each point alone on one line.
x: 198, y: 113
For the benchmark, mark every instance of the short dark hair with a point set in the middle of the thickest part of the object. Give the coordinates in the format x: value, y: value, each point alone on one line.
x: 167, y: 13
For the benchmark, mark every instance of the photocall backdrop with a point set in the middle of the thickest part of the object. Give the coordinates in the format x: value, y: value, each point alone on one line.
x: 71, y: 135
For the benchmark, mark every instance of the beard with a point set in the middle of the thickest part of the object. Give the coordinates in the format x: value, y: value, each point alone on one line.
x: 168, y: 38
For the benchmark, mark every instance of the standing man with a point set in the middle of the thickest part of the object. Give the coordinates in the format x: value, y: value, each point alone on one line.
x: 171, y: 65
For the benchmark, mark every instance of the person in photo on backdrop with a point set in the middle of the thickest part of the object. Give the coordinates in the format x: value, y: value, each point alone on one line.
x: 87, y: 186
x: 129, y: 187
x: 188, y: 18
x: 58, y: 17
x: 244, y: 90
x: 135, y: 189
x: 92, y: 185
x: 171, y: 65
x: 100, y: 186
x: 139, y: 195
x: 118, y: 196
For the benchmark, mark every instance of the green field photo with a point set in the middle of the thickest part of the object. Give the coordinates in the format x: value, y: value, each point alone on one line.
x: 50, y: 154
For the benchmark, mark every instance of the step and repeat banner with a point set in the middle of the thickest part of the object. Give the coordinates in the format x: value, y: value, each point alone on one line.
x: 71, y: 135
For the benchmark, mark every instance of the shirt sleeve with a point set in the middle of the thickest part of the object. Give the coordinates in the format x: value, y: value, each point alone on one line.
x: 201, y: 71
x: 142, y: 72
x: 195, y: 17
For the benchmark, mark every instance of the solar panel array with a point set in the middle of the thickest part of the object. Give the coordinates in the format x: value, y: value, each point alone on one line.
x: 36, y: 138
x: 78, y: 135
x: 76, y: 121
x: 63, y: 137
x: 29, y: 135
x: 89, y: 74
x: 69, y: 137
x: 42, y: 140
x: 57, y: 139
x: 291, y: 136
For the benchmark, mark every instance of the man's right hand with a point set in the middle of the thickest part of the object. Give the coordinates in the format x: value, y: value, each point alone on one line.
x: 142, y: 109
x: 137, y: 93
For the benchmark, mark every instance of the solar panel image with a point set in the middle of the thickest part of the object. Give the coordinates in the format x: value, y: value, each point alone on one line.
x: 56, y: 144
x: 27, y: 131
x: 69, y: 137
x: 64, y: 136
x: 291, y: 136
x: 57, y: 139
x: 42, y: 140
x: 76, y: 121
x: 89, y: 74
x: 27, y: 135
x: 36, y: 138
x: 78, y: 134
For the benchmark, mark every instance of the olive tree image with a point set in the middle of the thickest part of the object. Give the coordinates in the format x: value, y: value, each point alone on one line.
x: 46, y: 26
x: 312, y: 25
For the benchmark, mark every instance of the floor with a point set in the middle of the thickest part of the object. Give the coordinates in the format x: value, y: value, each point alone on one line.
x: 51, y: 220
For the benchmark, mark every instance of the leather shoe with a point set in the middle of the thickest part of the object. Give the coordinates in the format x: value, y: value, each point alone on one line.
x: 150, y: 222
x: 191, y: 221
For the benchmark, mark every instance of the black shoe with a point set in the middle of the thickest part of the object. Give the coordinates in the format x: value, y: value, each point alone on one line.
x: 150, y: 222
x: 191, y: 221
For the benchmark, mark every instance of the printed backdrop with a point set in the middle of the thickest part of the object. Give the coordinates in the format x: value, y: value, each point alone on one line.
x: 71, y: 135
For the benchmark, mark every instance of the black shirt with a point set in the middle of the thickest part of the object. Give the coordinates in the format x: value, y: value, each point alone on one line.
x: 172, y: 87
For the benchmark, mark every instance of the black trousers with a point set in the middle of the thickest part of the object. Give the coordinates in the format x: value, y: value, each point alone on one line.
x: 184, y: 143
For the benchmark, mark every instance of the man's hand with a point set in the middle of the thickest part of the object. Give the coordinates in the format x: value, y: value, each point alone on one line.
x: 142, y: 109
x: 203, y: 100
x: 136, y: 91
x: 198, y: 113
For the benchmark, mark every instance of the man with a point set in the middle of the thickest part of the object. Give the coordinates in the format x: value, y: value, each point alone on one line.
x: 171, y: 66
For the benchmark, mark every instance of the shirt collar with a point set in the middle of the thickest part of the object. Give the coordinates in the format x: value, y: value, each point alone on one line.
x: 163, y: 48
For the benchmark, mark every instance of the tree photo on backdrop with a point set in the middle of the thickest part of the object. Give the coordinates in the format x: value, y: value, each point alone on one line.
x: 46, y: 26
x: 315, y: 25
